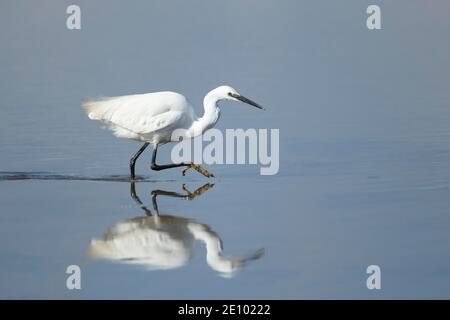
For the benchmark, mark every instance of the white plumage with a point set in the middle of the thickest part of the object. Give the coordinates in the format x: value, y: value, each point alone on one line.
x: 149, y: 117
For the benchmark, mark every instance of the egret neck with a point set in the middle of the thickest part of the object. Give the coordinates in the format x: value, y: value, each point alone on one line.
x: 210, y: 116
x: 214, y: 249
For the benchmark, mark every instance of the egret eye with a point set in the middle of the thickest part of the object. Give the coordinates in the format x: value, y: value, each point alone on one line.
x: 230, y: 94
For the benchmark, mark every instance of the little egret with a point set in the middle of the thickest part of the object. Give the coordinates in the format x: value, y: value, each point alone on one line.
x: 153, y: 117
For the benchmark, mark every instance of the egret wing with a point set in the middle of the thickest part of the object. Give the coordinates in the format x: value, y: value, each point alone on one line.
x: 139, y: 114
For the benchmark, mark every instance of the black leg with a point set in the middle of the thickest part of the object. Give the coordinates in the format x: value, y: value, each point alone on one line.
x: 137, y: 200
x: 158, y: 167
x: 134, y: 158
x: 188, y: 196
x: 156, y: 193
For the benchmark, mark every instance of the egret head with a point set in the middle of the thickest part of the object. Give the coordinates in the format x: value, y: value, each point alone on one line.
x: 229, y: 93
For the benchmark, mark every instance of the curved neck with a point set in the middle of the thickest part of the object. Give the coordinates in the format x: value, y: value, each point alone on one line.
x: 213, y: 248
x: 210, y: 116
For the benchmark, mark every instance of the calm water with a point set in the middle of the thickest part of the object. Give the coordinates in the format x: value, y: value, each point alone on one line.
x: 364, y: 179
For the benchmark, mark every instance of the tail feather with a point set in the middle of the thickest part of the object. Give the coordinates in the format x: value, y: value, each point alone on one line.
x: 95, y: 109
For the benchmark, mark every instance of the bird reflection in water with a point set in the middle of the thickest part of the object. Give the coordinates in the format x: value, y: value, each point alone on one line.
x: 160, y: 242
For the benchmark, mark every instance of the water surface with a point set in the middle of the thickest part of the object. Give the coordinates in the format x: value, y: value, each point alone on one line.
x: 364, y: 177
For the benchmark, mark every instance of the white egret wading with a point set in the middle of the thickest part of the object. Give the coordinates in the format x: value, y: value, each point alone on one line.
x: 153, y: 117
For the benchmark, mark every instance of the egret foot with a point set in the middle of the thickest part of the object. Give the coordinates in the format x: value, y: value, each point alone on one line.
x: 198, y: 168
x: 198, y: 192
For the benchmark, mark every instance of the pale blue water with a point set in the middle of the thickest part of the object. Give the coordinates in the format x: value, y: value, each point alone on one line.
x: 364, y: 122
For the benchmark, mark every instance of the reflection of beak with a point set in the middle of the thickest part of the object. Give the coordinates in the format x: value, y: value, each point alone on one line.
x: 247, y: 101
x: 239, y: 263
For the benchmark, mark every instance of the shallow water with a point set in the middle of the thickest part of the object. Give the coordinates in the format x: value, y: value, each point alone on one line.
x: 364, y: 175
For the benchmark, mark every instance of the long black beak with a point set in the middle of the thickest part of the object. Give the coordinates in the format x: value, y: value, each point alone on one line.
x: 247, y: 101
